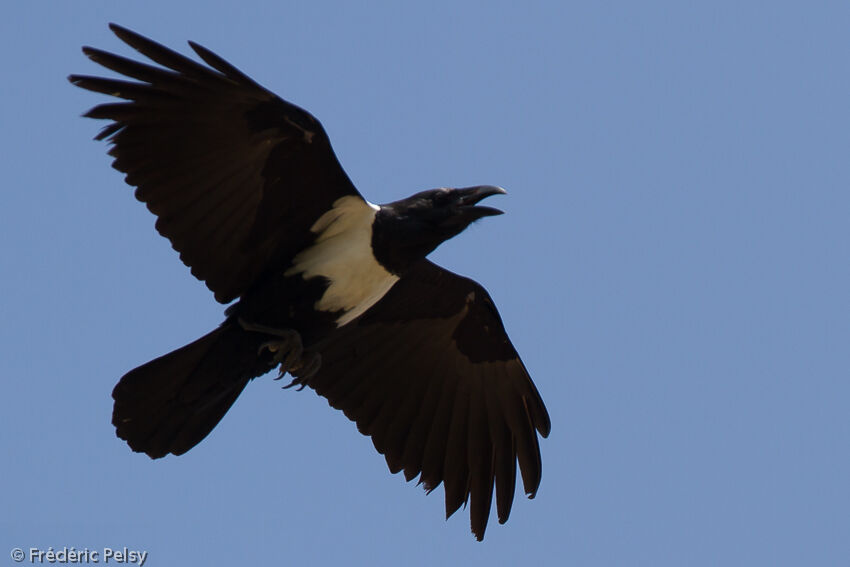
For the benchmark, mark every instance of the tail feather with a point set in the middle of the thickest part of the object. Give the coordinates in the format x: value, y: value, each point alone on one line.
x: 171, y: 403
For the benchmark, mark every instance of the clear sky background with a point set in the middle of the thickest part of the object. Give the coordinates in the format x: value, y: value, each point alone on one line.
x: 674, y: 268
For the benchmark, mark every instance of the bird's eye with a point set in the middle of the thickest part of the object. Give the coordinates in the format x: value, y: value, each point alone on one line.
x: 442, y: 198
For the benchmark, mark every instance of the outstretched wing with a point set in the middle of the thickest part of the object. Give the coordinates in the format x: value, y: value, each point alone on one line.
x: 235, y: 175
x: 430, y: 374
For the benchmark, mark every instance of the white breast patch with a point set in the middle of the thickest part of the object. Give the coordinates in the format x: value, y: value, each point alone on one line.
x: 342, y: 253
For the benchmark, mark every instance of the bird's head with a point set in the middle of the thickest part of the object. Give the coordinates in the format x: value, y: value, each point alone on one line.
x: 406, y: 231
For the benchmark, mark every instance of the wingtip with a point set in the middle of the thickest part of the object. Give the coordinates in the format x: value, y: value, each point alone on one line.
x: 478, y: 529
x: 128, y: 36
x: 118, y: 29
x: 201, y: 51
x: 545, y: 428
x: 95, y: 54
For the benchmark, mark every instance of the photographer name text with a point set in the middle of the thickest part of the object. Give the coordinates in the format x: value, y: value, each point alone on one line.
x: 82, y: 556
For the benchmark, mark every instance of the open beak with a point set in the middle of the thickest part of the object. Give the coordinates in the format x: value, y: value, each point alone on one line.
x: 469, y: 196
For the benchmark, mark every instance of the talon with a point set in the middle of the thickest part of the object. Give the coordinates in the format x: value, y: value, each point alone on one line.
x: 288, y: 352
x: 293, y: 358
x: 305, y: 369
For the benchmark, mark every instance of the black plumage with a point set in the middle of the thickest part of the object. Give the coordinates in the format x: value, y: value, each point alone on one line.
x: 332, y: 289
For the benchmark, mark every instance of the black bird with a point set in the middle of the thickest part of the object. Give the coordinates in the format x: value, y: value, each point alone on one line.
x: 329, y: 287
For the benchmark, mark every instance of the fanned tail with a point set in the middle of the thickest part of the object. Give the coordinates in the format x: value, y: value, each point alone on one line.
x: 171, y: 403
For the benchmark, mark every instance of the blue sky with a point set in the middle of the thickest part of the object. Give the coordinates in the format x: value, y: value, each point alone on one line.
x: 673, y: 268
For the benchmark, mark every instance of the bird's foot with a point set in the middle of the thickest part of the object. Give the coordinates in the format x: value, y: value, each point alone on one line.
x: 288, y: 352
x: 286, y: 349
x: 307, y: 366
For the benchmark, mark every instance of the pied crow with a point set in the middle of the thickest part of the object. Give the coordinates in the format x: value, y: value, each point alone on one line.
x: 328, y: 287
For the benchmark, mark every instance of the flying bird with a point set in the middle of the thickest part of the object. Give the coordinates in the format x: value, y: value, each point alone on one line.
x: 323, y: 285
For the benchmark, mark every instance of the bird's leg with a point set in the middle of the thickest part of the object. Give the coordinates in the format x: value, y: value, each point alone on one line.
x: 288, y: 351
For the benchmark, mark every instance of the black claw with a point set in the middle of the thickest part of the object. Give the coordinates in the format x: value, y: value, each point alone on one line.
x: 289, y: 353
x: 293, y: 358
x: 287, y: 350
x: 306, y: 368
